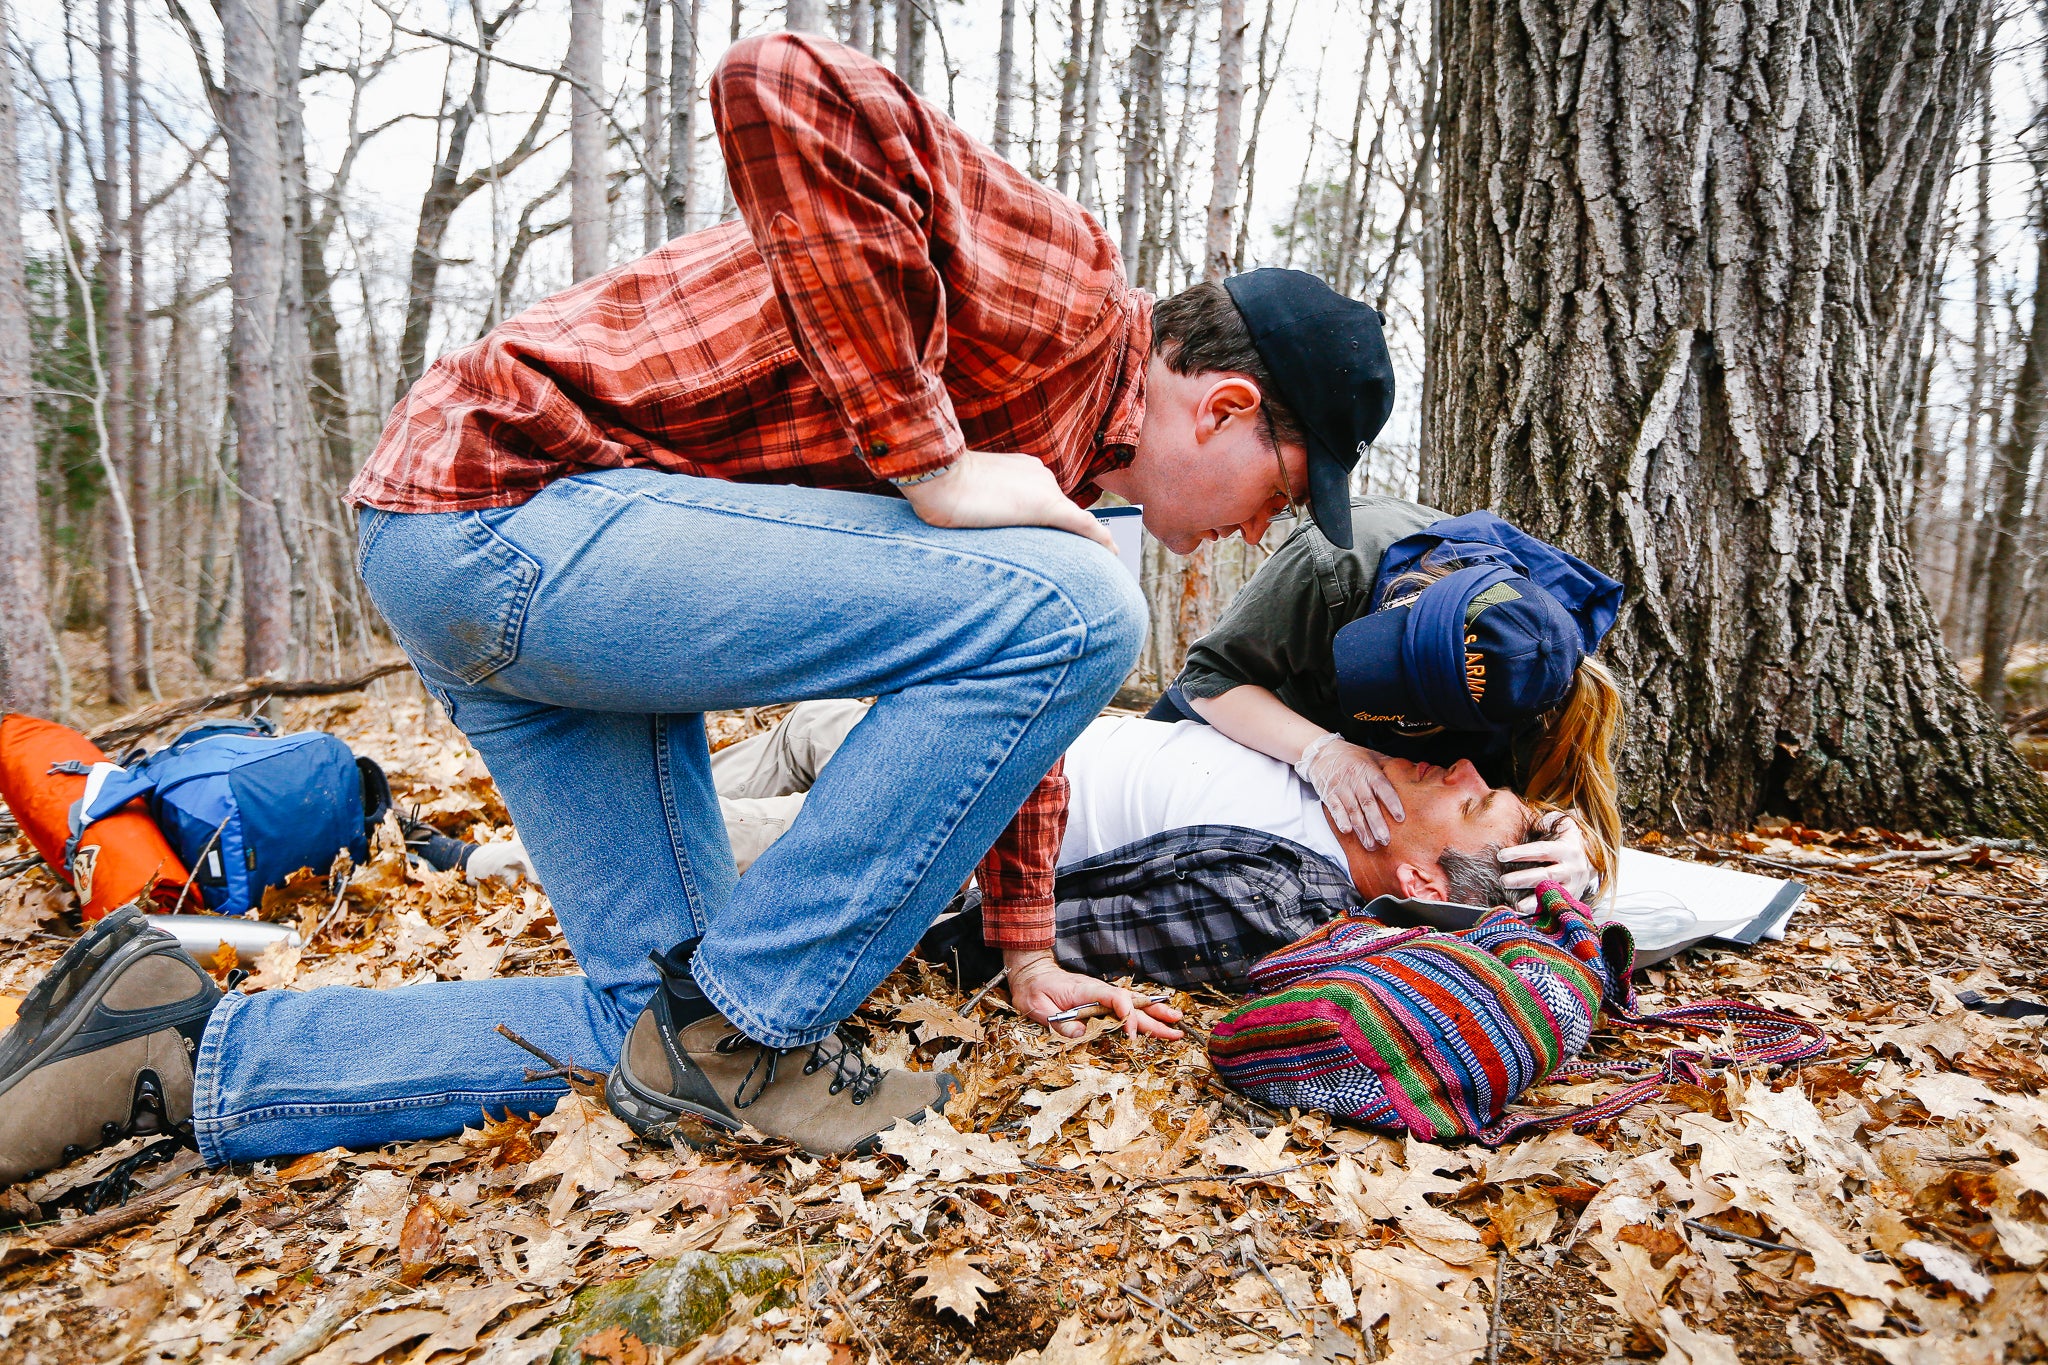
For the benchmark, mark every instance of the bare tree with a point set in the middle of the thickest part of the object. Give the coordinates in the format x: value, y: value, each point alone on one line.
x: 1216, y: 249
x: 860, y: 25
x: 2015, y: 461
x: 121, y: 659
x: 589, y: 207
x: 1619, y: 371
x: 1268, y: 76
x: 142, y: 484
x: 804, y: 16
x: 1141, y: 136
x: 910, y: 29
x: 1958, y: 615
x: 653, y: 219
x: 1070, y: 97
x: 677, y: 194
x: 1006, y: 79
x: 448, y: 190
x: 1091, y: 105
x: 249, y: 50
x: 24, y: 610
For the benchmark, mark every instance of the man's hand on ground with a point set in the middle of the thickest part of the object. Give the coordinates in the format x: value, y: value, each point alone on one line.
x: 1040, y: 988
x: 991, y: 488
x: 1563, y: 851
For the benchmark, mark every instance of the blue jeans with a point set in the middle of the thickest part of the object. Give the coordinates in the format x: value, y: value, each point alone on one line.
x: 577, y: 640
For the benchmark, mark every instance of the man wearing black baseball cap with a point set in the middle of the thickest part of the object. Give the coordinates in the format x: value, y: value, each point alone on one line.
x: 1276, y: 347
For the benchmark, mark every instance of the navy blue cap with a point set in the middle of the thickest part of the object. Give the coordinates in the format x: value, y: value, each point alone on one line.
x: 1478, y: 649
x: 1328, y: 357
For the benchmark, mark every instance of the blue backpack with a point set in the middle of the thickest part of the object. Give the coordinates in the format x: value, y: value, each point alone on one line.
x: 246, y: 807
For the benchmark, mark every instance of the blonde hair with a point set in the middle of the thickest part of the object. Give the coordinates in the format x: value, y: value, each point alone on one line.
x: 1572, y: 768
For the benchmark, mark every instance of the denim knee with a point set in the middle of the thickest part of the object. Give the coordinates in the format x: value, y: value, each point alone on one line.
x: 1107, y: 601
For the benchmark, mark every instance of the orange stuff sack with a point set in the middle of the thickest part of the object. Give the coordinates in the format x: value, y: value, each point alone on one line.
x: 119, y: 858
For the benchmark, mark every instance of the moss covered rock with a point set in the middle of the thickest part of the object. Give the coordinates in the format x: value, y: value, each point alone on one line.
x: 673, y: 1302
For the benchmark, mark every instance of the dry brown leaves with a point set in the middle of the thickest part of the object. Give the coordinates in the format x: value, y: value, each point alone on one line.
x: 1102, y: 1201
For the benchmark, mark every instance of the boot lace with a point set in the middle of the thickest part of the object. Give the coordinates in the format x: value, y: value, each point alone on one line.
x: 851, y: 1070
x: 147, y: 1114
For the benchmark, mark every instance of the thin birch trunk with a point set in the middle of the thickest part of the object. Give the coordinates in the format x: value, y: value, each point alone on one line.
x: 25, y: 654
x: 678, y: 195
x: 249, y: 44
x: 1006, y: 79
x: 2015, y: 459
x: 1419, y: 172
x: 1091, y: 105
x: 142, y: 480
x: 589, y: 213
x: 1216, y: 248
x: 107, y: 191
x: 653, y: 218
x: 860, y: 25
x: 804, y: 16
x: 1340, y: 260
x: 910, y: 44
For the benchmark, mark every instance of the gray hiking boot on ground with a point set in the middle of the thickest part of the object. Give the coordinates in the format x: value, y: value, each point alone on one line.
x: 684, y: 1060
x: 102, y: 1048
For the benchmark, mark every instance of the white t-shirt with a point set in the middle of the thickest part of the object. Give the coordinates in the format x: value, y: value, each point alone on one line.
x: 1132, y: 778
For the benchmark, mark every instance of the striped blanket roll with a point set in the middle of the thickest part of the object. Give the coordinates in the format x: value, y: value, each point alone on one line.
x: 1418, y: 1030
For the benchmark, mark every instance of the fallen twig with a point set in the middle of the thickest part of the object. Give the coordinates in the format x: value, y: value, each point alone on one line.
x: 98, y: 1225
x: 136, y: 724
x: 568, y: 1071
x: 1228, y: 1179
x: 1723, y: 1235
x: 1131, y: 1290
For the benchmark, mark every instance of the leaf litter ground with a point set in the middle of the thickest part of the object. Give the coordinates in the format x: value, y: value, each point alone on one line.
x: 1103, y: 1200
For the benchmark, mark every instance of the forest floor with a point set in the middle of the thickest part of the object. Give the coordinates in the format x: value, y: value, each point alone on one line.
x: 1106, y: 1201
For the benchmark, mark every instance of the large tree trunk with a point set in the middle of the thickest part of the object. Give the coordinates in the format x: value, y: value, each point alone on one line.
x: 1687, y: 258
x: 1216, y: 250
x: 249, y: 44
x: 677, y: 195
x: 24, y: 608
x: 107, y: 189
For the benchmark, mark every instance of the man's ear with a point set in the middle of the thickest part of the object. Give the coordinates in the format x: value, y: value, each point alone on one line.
x: 1231, y: 400
x: 1418, y: 883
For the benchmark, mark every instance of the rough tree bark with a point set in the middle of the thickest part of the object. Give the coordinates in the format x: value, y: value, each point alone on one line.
x: 1216, y: 250
x: 24, y: 607
x: 1687, y: 259
x: 2005, y: 570
x: 589, y: 212
x: 255, y: 201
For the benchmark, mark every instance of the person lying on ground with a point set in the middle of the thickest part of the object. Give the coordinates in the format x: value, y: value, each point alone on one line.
x: 838, y: 446
x: 1131, y: 778
x: 1425, y: 637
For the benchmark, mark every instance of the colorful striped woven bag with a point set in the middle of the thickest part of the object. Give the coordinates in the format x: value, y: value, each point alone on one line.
x: 1436, y: 1034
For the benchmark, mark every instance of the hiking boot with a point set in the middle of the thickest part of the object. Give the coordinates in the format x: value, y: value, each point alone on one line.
x: 685, y: 1061
x: 102, y: 1049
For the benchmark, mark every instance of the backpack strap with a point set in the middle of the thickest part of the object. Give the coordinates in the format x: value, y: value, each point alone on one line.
x: 1768, y: 1038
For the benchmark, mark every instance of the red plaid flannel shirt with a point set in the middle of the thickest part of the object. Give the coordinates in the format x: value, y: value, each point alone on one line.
x: 893, y: 294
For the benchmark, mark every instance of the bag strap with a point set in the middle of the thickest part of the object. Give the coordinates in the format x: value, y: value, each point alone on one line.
x: 1768, y: 1038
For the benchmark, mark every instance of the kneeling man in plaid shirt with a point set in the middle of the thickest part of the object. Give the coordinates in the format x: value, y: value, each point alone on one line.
x: 838, y: 447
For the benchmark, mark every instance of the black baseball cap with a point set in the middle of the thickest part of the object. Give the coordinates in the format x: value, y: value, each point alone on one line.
x: 1479, y: 649
x: 1328, y: 357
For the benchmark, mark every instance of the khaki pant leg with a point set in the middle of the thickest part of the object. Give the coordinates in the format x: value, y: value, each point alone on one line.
x: 785, y: 760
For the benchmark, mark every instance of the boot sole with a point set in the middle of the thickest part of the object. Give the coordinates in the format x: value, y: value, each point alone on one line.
x: 55, y: 1037
x: 660, y: 1117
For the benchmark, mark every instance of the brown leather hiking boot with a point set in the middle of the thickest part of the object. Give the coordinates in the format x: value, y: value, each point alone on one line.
x: 685, y: 1061
x: 102, y: 1048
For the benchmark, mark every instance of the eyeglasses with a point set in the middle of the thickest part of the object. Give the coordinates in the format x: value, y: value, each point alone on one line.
x: 1294, y: 504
